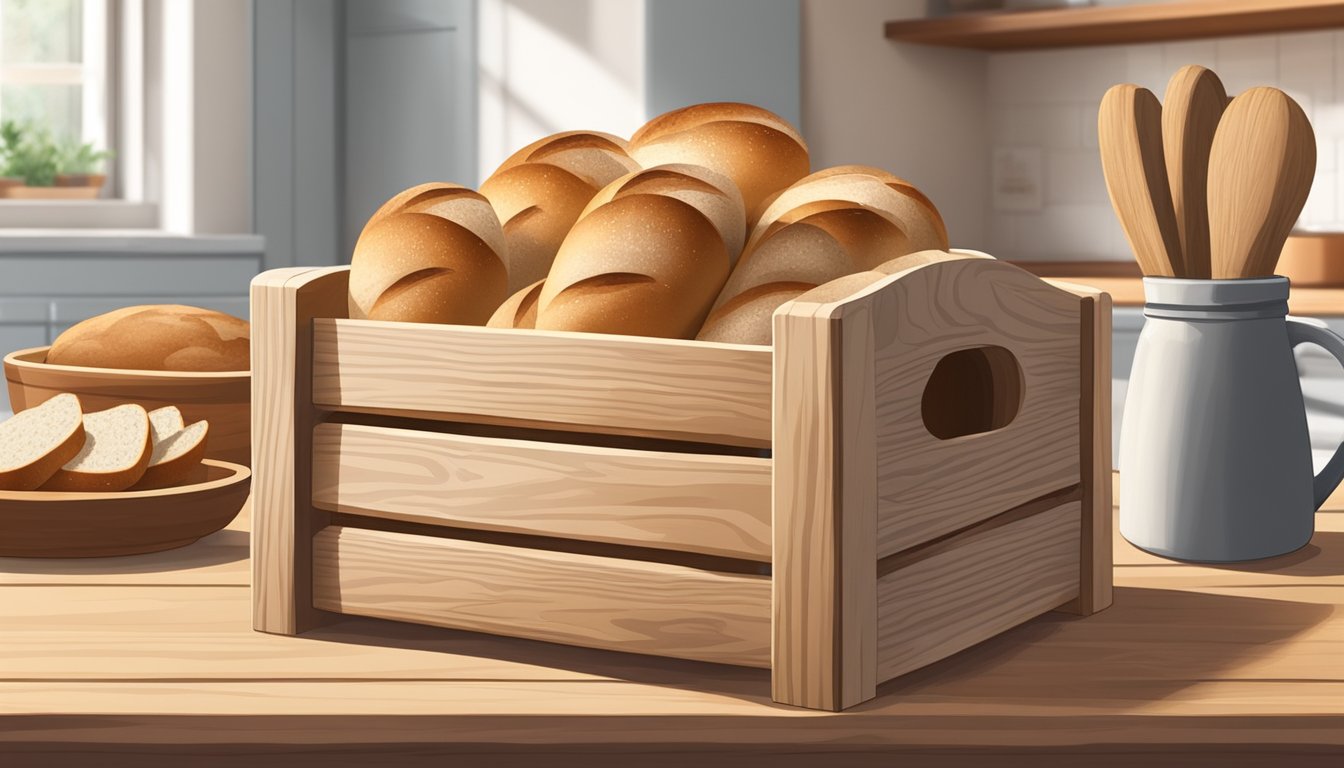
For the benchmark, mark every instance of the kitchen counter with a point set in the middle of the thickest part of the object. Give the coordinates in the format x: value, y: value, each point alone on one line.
x: 151, y: 660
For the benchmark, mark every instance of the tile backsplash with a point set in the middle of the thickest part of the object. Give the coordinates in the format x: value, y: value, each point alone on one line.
x: 1044, y: 104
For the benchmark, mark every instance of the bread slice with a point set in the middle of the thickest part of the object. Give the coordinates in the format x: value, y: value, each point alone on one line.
x: 115, y: 453
x: 163, y: 423
x: 37, y: 442
x: 176, y: 458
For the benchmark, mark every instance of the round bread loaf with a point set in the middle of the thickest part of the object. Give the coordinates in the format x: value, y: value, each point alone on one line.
x: 519, y: 310
x: 833, y: 223
x: 754, y: 147
x: 647, y: 257
x: 156, y: 337
x: 539, y: 192
x: 434, y: 253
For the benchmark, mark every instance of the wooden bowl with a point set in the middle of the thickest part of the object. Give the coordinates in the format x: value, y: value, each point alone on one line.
x: 1313, y: 259
x: 59, y: 524
x: 222, y: 398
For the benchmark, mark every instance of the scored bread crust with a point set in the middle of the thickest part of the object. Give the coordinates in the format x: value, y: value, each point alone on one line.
x: 519, y: 310
x: 540, y: 190
x: 893, y: 197
x: 754, y: 147
x: 537, y: 203
x: 180, y: 469
x: 709, y: 192
x: 596, y: 157
x: 32, y: 475
x: 434, y: 253
x: 118, y: 479
x: 641, y: 264
x: 156, y: 337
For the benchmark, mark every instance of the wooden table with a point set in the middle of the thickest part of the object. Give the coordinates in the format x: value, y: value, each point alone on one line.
x: 151, y: 660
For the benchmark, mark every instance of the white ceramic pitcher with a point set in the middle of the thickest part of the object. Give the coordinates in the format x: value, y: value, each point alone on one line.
x: 1215, y: 460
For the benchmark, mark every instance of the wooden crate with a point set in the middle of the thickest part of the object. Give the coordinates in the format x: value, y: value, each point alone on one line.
x: 914, y: 466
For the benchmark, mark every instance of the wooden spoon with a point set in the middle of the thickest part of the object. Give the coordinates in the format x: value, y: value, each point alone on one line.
x: 1260, y: 172
x: 1190, y: 111
x: 1129, y: 132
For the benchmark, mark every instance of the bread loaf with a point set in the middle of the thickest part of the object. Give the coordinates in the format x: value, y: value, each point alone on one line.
x: 647, y: 256
x: 834, y: 223
x: 519, y: 310
x: 156, y: 337
x: 433, y: 254
x: 539, y: 192
x: 754, y: 147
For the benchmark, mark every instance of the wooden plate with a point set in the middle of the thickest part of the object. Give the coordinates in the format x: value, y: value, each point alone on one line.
x: 56, y: 524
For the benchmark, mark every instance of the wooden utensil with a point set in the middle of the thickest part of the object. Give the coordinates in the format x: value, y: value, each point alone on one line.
x: 1260, y: 171
x: 1194, y: 102
x: 1129, y: 132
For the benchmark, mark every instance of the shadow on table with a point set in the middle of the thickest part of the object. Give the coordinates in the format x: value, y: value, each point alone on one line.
x: 737, y: 682
x: 219, y: 548
x: 1149, y: 645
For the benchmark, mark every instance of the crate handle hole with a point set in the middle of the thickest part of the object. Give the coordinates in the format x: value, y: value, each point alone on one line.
x: 972, y: 391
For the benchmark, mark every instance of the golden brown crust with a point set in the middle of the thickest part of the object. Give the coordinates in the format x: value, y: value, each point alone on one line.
x: 432, y: 254
x: 641, y: 264
x: 754, y: 147
x: 519, y: 310
x: 596, y: 157
x: 156, y: 337
x: 746, y: 318
x: 537, y: 203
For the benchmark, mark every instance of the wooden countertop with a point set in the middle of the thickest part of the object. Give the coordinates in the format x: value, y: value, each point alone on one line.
x: 150, y: 660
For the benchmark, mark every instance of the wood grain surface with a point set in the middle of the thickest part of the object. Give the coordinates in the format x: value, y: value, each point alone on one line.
x: 928, y: 487
x: 1129, y: 134
x: 988, y: 583
x: 825, y: 506
x: 600, y: 602
x: 150, y: 660
x: 682, y: 390
x: 717, y: 505
x: 284, y: 303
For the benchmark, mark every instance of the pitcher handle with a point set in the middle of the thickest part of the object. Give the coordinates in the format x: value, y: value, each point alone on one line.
x: 1307, y: 331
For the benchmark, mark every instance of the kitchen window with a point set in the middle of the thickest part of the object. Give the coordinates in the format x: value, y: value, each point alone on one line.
x: 70, y: 82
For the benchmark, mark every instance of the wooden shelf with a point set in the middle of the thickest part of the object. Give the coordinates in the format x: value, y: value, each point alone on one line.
x: 1111, y: 25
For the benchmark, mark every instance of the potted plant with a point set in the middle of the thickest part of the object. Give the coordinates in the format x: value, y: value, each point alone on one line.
x: 36, y: 167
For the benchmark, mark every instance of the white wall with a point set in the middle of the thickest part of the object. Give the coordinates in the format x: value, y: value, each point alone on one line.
x: 1047, y: 101
x: 205, y: 82
x: 918, y: 112
x: 556, y: 65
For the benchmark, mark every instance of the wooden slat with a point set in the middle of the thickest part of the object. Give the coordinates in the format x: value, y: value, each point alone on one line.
x: 1094, y: 418
x: 284, y: 302
x: 599, y: 602
x: 1113, y: 25
x: 825, y: 500
x: 928, y: 487
x: 717, y: 505
x: 682, y: 390
x: 962, y: 595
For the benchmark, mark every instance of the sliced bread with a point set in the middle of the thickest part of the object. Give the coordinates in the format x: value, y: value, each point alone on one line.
x: 163, y: 423
x: 176, y: 459
x: 35, y: 443
x: 116, y: 451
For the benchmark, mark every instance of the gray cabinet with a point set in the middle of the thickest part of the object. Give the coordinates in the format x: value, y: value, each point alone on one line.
x: 43, y: 292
